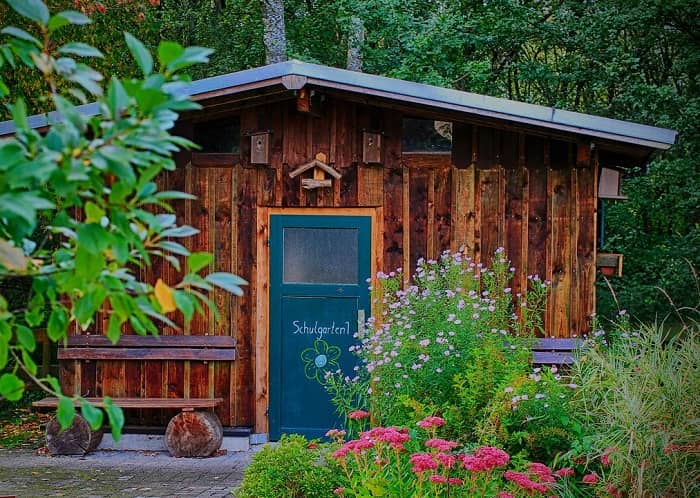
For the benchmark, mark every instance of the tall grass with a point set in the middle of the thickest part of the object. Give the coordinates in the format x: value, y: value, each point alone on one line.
x: 641, y: 397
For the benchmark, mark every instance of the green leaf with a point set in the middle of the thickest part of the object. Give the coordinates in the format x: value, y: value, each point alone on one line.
x: 93, y: 238
x: 92, y: 414
x: 31, y: 9
x: 11, y: 387
x: 93, y: 212
x: 227, y: 281
x: 69, y: 112
x: 4, y: 350
x: 25, y: 337
x: 173, y: 195
x: 114, y: 328
x: 117, y: 98
x: 174, y: 247
x: 21, y: 34
x: 80, y: 49
x: 182, y: 231
x: 10, y: 154
x: 169, y: 51
x: 198, y: 260
x: 185, y: 304
x: 67, y: 17
x: 190, y: 57
x: 28, y: 361
x: 58, y: 323
x: 116, y: 418
x: 12, y: 257
x: 19, y: 114
x: 65, y: 412
x: 140, y: 53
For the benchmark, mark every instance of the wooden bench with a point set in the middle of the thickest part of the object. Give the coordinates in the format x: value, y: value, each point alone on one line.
x: 195, y: 431
x: 555, y: 351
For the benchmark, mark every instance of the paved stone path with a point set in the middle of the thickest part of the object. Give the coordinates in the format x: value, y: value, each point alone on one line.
x: 119, y: 473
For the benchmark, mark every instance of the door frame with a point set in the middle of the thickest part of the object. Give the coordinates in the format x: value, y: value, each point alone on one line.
x: 261, y: 289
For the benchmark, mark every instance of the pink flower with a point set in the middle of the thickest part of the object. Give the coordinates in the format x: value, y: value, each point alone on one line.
x: 441, y: 444
x: 422, y: 462
x: 472, y: 463
x: 447, y: 461
x: 358, y: 415
x: 335, y: 433
x: 614, y: 492
x: 429, y: 422
x: 525, y: 482
x: 505, y: 494
x: 455, y: 481
x: 339, y: 491
x: 539, y: 469
x: 605, y: 457
x: 492, y: 457
x: 565, y: 472
x: 591, y: 478
x: 438, y: 478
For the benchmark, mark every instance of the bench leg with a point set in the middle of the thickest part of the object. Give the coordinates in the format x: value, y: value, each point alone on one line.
x: 194, y: 434
x: 78, y: 439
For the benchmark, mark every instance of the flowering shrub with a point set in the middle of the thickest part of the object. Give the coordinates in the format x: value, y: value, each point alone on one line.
x: 532, y: 416
x: 446, y: 344
x: 396, y: 462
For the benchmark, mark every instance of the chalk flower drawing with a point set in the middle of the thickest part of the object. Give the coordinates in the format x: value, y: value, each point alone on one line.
x: 319, y: 359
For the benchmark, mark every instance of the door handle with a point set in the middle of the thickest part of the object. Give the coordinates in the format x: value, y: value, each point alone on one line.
x: 360, y: 319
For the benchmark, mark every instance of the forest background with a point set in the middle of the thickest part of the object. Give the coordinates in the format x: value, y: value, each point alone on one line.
x: 636, y: 60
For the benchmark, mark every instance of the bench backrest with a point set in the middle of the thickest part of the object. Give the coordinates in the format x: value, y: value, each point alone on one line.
x: 555, y: 351
x: 136, y: 347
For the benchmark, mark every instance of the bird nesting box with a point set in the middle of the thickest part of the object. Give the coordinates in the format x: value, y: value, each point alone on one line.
x: 260, y: 148
x: 372, y: 148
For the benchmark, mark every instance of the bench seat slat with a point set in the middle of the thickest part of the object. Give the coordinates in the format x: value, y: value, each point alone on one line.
x: 552, y: 358
x: 166, y: 403
x: 116, y: 353
x: 150, y: 341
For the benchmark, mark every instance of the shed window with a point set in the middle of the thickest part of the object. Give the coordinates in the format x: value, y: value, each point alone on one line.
x: 221, y: 135
x: 426, y: 135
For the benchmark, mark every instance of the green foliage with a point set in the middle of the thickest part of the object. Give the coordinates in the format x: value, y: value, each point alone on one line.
x: 89, y: 179
x: 294, y: 468
x: 637, y: 401
x: 452, y: 344
x: 531, y: 417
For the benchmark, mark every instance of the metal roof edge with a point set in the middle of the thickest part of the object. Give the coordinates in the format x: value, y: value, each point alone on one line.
x: 471, y: 103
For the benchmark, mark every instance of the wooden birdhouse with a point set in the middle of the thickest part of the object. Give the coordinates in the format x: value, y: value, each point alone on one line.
x: 609, y: 184
x: 321, y: 173
x: 372, y: 148
x: 260, y: 148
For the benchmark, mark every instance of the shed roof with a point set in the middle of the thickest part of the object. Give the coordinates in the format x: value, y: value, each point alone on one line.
x: 295, y: 74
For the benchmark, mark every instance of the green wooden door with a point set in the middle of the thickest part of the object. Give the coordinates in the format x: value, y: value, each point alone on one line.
x: 319, y: 266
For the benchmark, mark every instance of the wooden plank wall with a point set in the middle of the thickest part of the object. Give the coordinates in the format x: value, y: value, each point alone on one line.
x: 531, y: 195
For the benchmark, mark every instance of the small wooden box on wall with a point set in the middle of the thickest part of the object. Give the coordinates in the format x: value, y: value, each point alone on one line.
x: 372, y: 145
x: 260, y: 148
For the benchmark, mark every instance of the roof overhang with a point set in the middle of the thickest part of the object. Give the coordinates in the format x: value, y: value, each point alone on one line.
x: 294, y: 75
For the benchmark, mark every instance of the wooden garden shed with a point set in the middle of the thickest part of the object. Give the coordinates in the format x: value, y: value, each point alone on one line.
x: 312, y: 179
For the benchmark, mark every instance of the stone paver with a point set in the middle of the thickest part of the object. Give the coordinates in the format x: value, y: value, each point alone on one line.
x: 129, y: 474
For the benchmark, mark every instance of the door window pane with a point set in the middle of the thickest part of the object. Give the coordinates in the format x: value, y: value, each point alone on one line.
x: 320, y: 255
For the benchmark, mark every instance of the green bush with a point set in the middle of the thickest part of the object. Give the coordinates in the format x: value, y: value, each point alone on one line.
x: 638, y: 401
x: 292, y: 468
x: 454, y: 344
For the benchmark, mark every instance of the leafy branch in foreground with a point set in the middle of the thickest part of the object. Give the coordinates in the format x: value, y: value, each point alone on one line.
x: 80, y: 212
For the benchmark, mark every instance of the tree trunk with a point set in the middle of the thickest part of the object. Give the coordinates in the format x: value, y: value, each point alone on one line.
x: 274, y: 35
x: 194, y: 434
x: 78, y: 439
x: 356, y: 38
